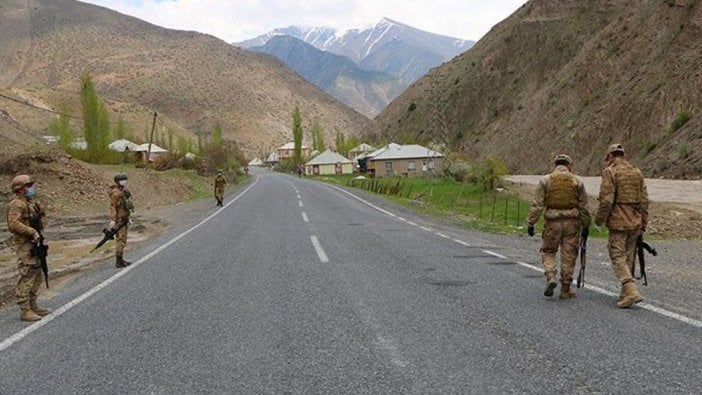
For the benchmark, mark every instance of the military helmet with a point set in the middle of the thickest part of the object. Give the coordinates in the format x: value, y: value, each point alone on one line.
x: 120, y: 177
x: 563, y: 158
x: 615, y: 148
x: 20, y: 181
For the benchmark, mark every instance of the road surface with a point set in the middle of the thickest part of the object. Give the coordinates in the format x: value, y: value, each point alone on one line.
x: 301, y: 287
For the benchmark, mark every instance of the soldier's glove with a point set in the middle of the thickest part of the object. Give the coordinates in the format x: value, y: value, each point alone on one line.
x: 530, y: 229
x: 585, y: 232
x: 112, y: 225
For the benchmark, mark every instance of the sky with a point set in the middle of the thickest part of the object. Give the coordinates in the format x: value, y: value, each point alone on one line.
x: 239, y: 20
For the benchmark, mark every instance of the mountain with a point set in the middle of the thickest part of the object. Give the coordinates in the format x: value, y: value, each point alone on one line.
x: 568, y: 77
x: 388, y: 47
x: 366, y: 91
x: 192, y: 80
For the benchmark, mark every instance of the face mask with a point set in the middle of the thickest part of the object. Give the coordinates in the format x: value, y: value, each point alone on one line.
x: 30, y: 192
x: 123, y: 183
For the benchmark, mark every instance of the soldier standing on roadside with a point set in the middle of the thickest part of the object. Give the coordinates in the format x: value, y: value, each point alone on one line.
x: 121, y: 208
x: 219, y: 183
x: 624, y: 209
x: 24, y: 221
x: 562, y: 195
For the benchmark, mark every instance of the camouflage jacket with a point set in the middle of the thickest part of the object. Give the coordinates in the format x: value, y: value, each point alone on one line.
x: 20, y: 213
x: 219, y: 182
x: 579, y: 211
x: 121, y: 205
x: 611, y: 211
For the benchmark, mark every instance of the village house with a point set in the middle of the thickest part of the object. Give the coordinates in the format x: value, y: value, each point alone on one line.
x: 327, y: 163
x: 410, y: 160
x: 288, y: 151
x: 360, y: 149
x: 153, y: 152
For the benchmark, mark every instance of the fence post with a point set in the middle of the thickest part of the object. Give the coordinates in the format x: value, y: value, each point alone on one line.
x: 516, y: 223
x: 506, y: 207
x: 494, y: 203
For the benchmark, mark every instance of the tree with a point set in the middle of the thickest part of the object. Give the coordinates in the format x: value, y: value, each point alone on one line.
x: 122, y: 131
x: 318, y: 137
x: 297, y: 135
x: 96, y: 121
x: 61, y: 128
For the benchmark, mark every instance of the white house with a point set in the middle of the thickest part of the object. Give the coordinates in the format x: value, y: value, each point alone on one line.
x: 123, y: 145
x: 329, y: 162
x: 404, y: 160
x: 256, y: 162
x: 154, y: 153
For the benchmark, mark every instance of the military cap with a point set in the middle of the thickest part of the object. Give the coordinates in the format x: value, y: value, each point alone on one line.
x: 615, y: 148
x: 563, y: 158
x: 20, y: 181
x: 120, y: 177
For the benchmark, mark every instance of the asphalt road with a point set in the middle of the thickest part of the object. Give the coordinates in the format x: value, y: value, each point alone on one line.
x: 299, y: 287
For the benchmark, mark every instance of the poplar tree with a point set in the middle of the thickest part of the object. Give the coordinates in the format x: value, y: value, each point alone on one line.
x: 96, y: 121
x: 297, y: 135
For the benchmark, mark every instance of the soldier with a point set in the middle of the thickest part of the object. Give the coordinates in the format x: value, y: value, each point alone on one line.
x: 24, y: 221
x: 562, y: 195
x: 219, y: 183
x: 624, y: 209
x: 121, y: 208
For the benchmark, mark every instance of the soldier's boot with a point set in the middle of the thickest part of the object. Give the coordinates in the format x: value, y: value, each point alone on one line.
x: 631, y: 295
x: 26, y: 313
x: 566, y: 291
x: 38, y: 309
x: 621, y: 294
x: 550, y: 284
x: 119, y: 262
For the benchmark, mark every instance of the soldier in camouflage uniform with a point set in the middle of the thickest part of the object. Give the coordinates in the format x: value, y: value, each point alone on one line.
x: 219, y: 183
x: 562, y: 198
x: 121, y: 208
x: 623, y: 208
x: 24, y: 221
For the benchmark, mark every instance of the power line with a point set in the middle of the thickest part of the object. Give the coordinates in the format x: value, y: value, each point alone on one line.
x: 57, y: 112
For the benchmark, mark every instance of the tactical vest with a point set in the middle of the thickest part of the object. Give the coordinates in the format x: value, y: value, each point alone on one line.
x: 562, y: 192
x: 629, y: 182
x: 126, y: 201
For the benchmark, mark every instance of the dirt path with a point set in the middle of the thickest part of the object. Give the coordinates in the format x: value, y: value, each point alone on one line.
x: 676, y: 205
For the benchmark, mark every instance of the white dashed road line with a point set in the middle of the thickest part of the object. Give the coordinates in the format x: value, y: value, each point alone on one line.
x: 304, y: 217
x: 320, y: 251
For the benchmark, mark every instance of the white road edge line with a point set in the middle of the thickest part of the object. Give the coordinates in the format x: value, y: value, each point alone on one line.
x: 304, y: 217
x: 320, y: 251
x: 647, y: 306
x: 56, y: 313
x: 300, y: 202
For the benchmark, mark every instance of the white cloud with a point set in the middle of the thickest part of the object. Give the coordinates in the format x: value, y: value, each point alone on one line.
x: 238, y: 20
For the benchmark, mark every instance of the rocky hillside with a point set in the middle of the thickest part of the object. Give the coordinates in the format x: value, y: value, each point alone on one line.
x: 569, y: 76
x: 366, y: 91
x: 192, y: 80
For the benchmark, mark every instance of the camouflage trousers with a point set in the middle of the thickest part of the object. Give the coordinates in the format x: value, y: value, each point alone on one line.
x: 622, y: 252
x: 28, y: 282
x: 121, y: 240
x: 564, y: 234
x: 219, y: 194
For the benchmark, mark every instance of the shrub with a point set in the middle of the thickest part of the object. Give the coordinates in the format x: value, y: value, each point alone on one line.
x: 490, y: 173
x: 681, y: 118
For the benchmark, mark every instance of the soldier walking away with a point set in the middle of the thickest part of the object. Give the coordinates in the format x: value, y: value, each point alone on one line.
x: 24, y: 221
x: 121, y: 208
x: 219, y: 183
x: 623, y: 208
x: 562, y: 198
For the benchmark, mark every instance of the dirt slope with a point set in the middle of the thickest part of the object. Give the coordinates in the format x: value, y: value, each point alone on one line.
x: 569, y: 76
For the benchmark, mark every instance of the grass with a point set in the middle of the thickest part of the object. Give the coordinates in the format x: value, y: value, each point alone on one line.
x: 490, y: 211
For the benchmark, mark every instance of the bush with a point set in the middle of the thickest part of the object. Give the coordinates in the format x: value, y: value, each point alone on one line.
x: 681, y: 118
x: 461, y: 170
x: 490, y: 173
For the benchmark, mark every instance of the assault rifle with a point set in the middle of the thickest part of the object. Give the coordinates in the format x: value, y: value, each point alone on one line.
x: 40, y: 251
x: 584, y: 233
x: 109, y: 235
x: 642, y: 245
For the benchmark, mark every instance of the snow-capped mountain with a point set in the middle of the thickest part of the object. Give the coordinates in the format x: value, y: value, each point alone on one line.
x: 387, y: 47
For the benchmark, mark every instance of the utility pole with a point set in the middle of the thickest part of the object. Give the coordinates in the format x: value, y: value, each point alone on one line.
x: 151, y: 139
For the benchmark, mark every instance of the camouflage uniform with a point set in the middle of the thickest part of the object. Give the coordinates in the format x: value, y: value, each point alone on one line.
x: 121, y: 207
x: 21, y: 212
x: 219, y: 183
x: 562, y: 198
x: 623, y: 207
